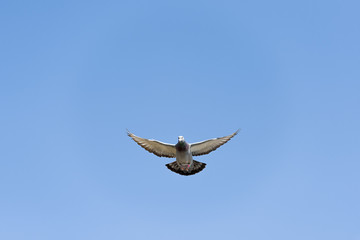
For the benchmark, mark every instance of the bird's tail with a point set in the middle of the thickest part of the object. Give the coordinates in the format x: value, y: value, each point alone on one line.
x: 196, y: 167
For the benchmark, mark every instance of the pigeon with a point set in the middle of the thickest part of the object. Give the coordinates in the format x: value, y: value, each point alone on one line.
x: 182, y: 151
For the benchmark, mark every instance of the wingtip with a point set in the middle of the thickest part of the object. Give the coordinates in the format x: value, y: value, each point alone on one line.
x: 128, y: 132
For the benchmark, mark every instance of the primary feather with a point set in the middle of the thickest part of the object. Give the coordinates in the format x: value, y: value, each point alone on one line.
x: 156, y: 147
x: 207, y: 146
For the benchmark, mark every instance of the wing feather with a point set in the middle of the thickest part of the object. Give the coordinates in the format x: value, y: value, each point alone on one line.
x: 158, y: 148
x: 207, y: 146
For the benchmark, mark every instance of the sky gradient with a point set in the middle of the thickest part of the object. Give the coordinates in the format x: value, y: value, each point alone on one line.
x: 75, y: 74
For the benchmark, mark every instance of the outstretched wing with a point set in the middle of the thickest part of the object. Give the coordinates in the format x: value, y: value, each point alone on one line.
x: 158, y: 148
x: 205, y: 147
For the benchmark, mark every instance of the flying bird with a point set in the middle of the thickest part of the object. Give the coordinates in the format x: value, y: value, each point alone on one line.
x: 182, y: 151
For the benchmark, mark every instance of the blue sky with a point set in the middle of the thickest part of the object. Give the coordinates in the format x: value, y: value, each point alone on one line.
x: 75, y: 74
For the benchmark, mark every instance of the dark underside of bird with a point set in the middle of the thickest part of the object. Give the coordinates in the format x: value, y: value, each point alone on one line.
x: 196, y: 167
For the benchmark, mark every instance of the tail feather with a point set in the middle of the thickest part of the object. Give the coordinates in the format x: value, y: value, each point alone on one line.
x: 197, y: 167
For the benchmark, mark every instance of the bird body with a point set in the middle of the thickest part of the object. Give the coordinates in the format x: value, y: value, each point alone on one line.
x: 182, y: 151
x: 183, y: 154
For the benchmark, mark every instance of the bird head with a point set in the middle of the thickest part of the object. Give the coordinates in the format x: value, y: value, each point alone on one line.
x: 181, y: 139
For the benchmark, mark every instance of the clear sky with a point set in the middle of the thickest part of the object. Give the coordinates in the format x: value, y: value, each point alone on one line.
x: 75, y: 74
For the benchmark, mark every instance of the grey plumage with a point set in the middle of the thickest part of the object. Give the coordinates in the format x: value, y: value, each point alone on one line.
x: 197, y: 167
x: 182, y: 151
